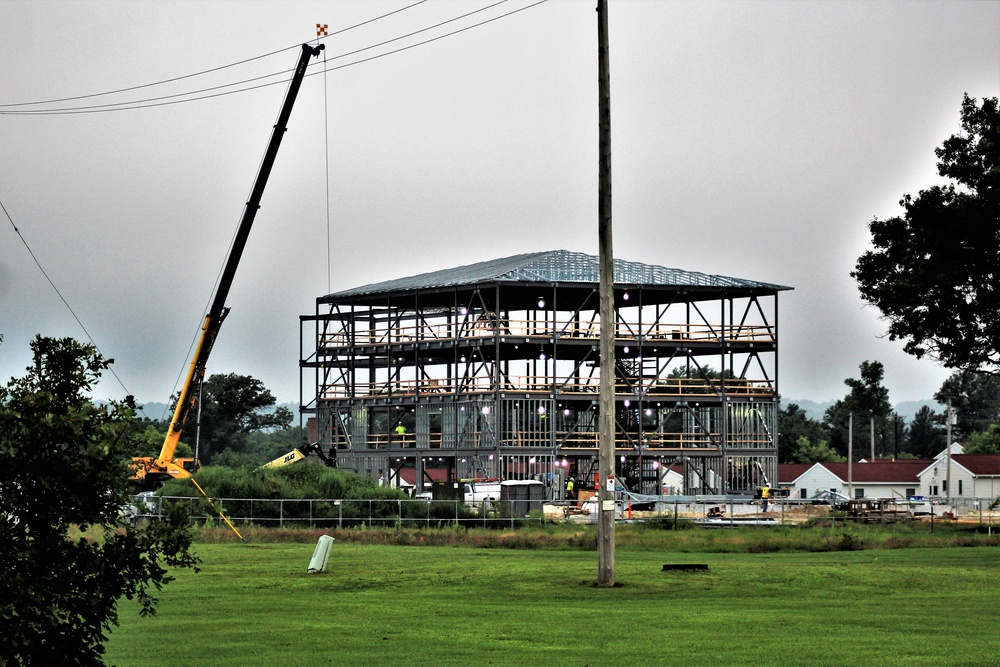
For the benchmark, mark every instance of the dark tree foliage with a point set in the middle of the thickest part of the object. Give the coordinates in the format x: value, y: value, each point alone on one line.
x: 926, y: 436
x: 64, y: 467
x: 809, y: 451
x: 984, y: 442
x: 793, y: 424
x: 975, y: 401
x: 868, y: 400
x: 270, y: 444
x: 233, y: 406
x: 933, y: 271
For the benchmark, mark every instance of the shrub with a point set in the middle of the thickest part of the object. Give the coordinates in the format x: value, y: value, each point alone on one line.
x: 305, y: 480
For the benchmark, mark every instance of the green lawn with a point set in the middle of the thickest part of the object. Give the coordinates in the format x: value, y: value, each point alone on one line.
x: 382, y: 606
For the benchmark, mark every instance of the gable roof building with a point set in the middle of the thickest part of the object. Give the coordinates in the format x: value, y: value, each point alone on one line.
x: 789, y: 472
x: 873, y: 479
x: 972, y: 476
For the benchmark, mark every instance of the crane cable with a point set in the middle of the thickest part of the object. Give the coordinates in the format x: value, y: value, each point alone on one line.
x: 325, y: 72
x: 326, y: 152
x: 206, y: 71
x: 166, y: 100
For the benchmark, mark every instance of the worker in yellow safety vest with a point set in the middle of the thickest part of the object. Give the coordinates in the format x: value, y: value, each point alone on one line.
x: 765, y: 494
x: 569, y: 489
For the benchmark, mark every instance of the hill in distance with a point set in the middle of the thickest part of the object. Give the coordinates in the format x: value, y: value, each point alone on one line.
x: 161, y: 411
x: 906, y: 409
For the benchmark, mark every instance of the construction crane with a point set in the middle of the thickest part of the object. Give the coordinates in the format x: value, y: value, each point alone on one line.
x: 151, y: 472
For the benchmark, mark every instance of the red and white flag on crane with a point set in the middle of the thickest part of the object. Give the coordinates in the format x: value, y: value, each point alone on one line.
x: 321, y: 29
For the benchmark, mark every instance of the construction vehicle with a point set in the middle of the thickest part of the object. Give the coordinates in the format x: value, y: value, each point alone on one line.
x: 477, y: 490
x: 298, y: 454
x: 151, y: 472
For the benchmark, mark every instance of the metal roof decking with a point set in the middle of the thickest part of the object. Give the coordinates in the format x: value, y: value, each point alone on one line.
x: 553, y: 266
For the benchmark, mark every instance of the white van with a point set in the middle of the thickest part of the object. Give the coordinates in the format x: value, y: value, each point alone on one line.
x: 477, y: 492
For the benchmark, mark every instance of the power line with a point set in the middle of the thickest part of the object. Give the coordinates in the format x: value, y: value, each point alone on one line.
x: 159, y: 101
x: 152, y: 102
x: 61, y: 297
x: 434, y: 39
x: 207, y: 71
x: 147, y: 102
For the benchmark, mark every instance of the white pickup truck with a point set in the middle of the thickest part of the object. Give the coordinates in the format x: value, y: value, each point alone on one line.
x: 477, y: 492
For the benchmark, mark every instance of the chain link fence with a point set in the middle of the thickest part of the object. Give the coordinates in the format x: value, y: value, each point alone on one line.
x: 707, y: 511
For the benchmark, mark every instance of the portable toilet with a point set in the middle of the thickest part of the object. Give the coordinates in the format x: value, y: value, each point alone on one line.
x: 523, y: 495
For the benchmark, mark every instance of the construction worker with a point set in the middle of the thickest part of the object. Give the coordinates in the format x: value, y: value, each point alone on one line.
x: 569, y: 489
x: 765, y: 493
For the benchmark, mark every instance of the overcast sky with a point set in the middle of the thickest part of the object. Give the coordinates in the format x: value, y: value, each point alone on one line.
x: 749, y: 139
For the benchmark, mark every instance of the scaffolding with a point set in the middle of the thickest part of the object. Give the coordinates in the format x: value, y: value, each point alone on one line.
x: 492, y: 370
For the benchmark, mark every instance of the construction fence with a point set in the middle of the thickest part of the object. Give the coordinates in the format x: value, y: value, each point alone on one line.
x: 710, y: 511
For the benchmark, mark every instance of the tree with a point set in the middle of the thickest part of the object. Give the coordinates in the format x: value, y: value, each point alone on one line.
x: 975, y: 401
x: 151, y: 440
x: 793, y: 425
x: 868, y: 396
x: 270, y: 444
x: 933, y: 271
x: 868, y: 402
x: 807, y: 451
x: 64, y: 465
x: 984, y: 442
x: 234, y: 406
x: 926, y: 435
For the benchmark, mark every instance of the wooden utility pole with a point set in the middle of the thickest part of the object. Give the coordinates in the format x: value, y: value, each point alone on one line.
x: 871, y: 425
x: 947, y: 472
x: 850, y: 457
x: 606, y: 430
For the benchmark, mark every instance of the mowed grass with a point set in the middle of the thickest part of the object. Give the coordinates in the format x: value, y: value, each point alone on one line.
x: 385, y: 605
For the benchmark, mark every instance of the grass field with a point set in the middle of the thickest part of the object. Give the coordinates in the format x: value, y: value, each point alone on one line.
x: 386, y: 605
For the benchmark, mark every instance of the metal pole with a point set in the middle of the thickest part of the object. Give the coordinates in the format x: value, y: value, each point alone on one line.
x: 606, y: 451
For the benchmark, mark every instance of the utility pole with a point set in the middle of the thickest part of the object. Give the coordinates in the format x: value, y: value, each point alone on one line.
x: 871, y: 424
x: 606, y: 430
x: 850, y: 457
x: 947, y: 473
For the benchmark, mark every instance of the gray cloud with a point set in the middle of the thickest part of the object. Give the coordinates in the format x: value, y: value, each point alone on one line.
x: 752, y: 139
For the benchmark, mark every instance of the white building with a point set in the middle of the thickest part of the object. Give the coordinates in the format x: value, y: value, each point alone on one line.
x: 972, y: 476
x: 873, y: 479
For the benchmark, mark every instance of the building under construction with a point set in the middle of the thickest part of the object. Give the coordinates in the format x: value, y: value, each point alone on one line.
x: 491, y: 370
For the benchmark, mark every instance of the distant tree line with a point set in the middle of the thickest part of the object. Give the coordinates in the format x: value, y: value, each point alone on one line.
x: 975, y: 401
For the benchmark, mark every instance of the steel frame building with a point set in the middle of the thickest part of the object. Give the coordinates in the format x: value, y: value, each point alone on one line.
x: 491, y: 370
